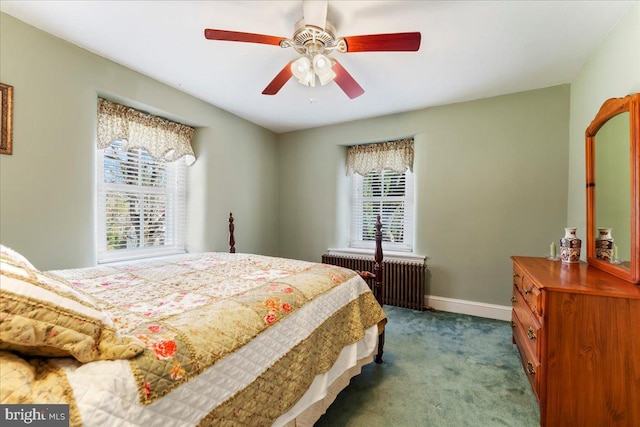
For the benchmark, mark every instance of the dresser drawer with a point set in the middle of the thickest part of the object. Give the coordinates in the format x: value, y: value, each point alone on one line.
x: 531, y: 295
x: 529, y: 321
x: 517, y: 276
x: 530, y: 361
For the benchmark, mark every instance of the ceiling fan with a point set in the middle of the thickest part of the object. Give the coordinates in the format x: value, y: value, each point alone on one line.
x: 314, y: 38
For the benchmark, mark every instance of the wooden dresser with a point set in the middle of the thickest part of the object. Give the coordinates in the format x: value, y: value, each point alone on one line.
x: 578, y: 333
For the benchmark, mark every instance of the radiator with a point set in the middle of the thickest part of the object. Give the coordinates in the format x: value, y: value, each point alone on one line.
x: 403, y: 282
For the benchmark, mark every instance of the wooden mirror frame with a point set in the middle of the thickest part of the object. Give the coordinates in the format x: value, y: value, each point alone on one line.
x: 612, y: 107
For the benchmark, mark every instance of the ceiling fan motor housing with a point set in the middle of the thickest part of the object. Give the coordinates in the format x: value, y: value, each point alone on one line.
x: 312, y: 40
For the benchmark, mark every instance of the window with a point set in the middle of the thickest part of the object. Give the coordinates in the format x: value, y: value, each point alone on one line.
x: 390, y: 195
x: 141, y: 186
x: 382, y: 185
x: 141, y: 204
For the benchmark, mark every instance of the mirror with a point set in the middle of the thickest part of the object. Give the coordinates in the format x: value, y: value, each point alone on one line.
x: 613, y: 188
x: 612, y: 214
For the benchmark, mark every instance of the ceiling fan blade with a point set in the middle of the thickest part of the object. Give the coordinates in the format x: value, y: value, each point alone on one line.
x: 276, y: 84
x: 314, y: 12
x: 395, y: 42
x: 346, y: 82
x: 237, y: 36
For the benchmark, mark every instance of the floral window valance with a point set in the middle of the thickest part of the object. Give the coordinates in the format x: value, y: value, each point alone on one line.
x: 396, y: 156
x: 163, y: 139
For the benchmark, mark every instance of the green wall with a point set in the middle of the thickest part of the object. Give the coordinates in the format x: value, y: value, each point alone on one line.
x: 47, y: 187
x: 613, y: 71
x: 491, y: 182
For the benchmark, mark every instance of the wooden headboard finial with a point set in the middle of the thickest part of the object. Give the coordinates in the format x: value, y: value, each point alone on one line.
x: 232, y: 240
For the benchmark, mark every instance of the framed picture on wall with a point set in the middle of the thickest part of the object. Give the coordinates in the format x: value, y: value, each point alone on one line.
x: 6, y: 119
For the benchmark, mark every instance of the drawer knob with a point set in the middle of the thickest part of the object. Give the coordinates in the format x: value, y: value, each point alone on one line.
x: 531, y: 334
x: 513, y: 299
x: 516, y: 275
x: 530, y: 369
x: 513, y: 324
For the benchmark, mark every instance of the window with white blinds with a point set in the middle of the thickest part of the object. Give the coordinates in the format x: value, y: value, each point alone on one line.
x: 141, y: 204
x: 390, y: 195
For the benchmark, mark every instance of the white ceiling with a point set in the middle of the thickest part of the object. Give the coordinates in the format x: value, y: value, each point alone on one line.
x: 469, y: 50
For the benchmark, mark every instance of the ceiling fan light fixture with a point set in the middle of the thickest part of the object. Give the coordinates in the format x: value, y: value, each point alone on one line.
x: 310, y: 79
x: 321, y: 64
x: 327, y: 77
x: 301, y: 68
x: 306, y: 70
x: 322, y: 67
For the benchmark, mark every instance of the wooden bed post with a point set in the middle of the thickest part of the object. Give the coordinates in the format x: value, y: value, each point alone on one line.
x: 378, y: 289
x: 232, y: 240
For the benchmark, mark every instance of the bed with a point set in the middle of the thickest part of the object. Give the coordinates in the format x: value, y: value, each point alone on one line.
x: 192, y: 339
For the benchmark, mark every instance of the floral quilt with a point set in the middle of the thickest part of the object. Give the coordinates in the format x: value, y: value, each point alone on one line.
x: 192, y: 310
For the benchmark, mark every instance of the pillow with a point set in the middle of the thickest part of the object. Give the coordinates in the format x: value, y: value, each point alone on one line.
x: 10, y: 256
x: 17, y: 376
x: 44, y: 315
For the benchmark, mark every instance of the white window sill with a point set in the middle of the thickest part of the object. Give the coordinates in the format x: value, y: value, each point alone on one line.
x: 138, y: 255
x: 388, y: 255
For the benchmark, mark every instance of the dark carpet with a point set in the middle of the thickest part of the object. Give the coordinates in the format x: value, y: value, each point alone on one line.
x: 440, y: 369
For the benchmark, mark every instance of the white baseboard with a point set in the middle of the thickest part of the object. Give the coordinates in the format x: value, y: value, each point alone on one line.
x: 473, y: 308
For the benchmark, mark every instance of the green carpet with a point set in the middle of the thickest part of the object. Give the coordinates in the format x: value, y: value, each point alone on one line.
x: 440, y: 369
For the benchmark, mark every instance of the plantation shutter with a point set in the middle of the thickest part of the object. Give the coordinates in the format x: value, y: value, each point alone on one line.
x: 383, y: 184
